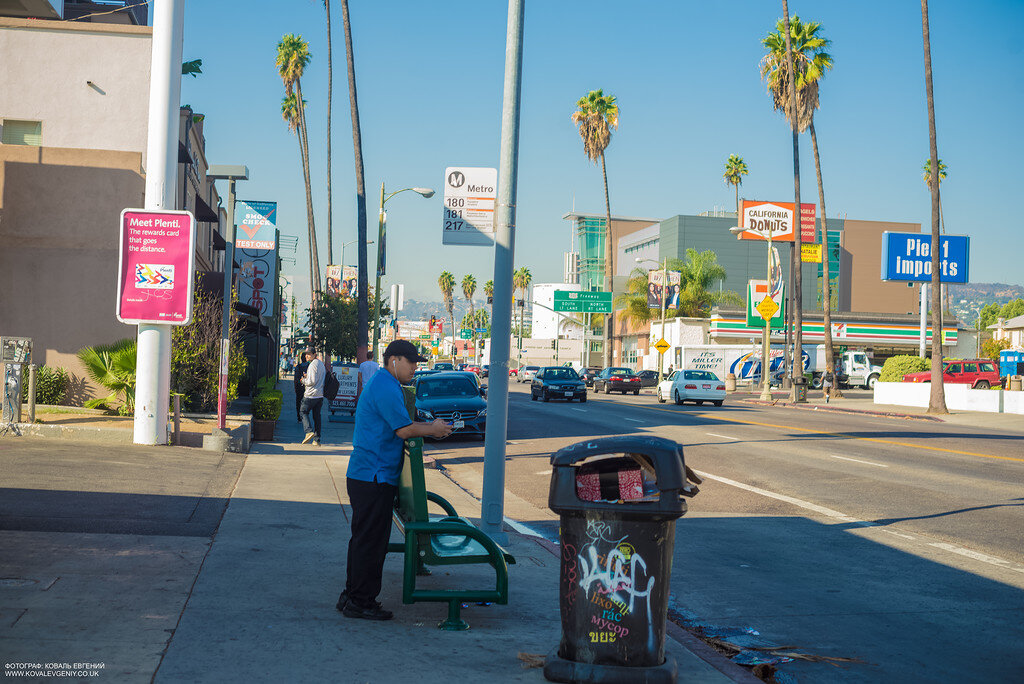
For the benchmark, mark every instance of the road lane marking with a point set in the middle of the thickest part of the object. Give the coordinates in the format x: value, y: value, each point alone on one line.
x: 975, y: 555
x: 578, y: 409
x: 842, y: 517
x: 877, y: 440
x: 634, y: 420
x: 712, y: 434
x: 857, y: 460
x: 543, y: 472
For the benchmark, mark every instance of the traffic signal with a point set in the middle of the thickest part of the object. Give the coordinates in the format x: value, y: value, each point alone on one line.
x: 554, y: 344
x: 433, y: 322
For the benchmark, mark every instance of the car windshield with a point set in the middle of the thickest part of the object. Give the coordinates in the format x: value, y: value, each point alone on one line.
x: 443, y: 366
x: 619, y: 371
x: 559, y: 374
x: 429, y: 388
x: 699, y: 375
x: 987, y: 367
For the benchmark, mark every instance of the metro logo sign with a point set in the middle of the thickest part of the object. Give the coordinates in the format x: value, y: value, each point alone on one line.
x: 776, y: 218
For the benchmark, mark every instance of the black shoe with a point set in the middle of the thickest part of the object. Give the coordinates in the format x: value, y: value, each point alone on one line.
x: 374, y: 612
x: 343, y: 599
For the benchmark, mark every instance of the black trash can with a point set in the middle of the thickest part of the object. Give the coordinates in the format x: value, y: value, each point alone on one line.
x: 618, y: 498
x: 800, y: 389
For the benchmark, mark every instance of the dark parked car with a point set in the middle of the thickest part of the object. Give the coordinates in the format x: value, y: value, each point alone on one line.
x: 483, y: 370
x: 587, y: 375
x: 454, y: 398
x: 557, y: 382
x: 648, y: 378
x: 443, y: 366
x: 617, y: 380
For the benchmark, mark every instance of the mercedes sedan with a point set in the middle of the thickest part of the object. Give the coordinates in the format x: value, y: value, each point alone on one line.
x: 557, y: 382
x: 454, y: 398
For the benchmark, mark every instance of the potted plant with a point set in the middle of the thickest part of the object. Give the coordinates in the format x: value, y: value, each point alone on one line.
x: 266, y: 409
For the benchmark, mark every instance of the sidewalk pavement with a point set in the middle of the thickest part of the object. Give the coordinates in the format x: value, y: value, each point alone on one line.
x: 863, y: 402
x: 257, y: 602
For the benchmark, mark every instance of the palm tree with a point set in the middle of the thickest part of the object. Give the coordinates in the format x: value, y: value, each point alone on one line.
x: 446, y: 282
x: 521, y: 280
x: 927, y: 168
x: 735, y: 170
x: 330, y: 97
x: 363, y: 312
x: 112, y: 366
x: 489, y: 293
x: 698, y: 272
x: 937, y: 400
x: 795, y: 63
x: 596, y: 116
x: 292, y: 58
x: 468, y: 290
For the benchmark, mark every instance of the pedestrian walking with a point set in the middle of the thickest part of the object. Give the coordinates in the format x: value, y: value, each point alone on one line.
x: 382, y: 424
x: 367, y: 368
x: 826, y: 384
x: 300, y: 389
x: 313, y: 398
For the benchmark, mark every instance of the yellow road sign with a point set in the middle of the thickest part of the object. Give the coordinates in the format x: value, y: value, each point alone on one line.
x: 662, y: 346
x: 767, y: 308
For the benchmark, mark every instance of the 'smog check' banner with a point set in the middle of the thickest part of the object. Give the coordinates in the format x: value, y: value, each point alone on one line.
x: 155, y: 263
x: 256, y: 253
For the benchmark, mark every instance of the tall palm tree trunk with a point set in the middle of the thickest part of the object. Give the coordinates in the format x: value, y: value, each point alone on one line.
x: 795, y: 265
x: 738, y: 217
x: 608, y: 266
x: 312, y: 271
x: 826, y: 288
x: 362, y: 309
x: 330, y: 96
x: 314, y: 257
x: 937, y: 400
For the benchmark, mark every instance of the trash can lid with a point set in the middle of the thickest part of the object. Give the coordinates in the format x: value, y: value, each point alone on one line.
x: 665, y: 455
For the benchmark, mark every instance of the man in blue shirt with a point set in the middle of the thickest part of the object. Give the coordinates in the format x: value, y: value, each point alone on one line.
x: 382, y: 425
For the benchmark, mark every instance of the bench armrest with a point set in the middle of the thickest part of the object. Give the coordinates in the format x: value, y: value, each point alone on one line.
x: 460, y: 528
x: 443, y: 503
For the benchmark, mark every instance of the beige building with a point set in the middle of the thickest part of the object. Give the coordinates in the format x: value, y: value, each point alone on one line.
x: 73, y: 132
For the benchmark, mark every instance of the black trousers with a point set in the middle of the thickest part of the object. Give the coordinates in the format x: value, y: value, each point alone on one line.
x: 298, y: 401
x: 372, y: 504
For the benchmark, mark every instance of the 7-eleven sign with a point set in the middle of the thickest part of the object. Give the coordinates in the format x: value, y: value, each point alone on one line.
x: 764, y: 305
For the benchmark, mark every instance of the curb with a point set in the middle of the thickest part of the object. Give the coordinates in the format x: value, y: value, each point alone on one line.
x: 836, y: 409
x: 733, y: 671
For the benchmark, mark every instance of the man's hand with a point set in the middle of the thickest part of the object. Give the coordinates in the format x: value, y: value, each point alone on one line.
x: 440, y: 429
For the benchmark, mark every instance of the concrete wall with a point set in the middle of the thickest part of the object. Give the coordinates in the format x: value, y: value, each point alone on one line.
x: 58, y: 248
x: 958, y: 397
x: 862, y: 240
x: 548, y: 324
x: 46, y: 69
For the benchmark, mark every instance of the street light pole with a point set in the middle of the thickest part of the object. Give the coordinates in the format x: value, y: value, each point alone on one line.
x: 230, y: 174
x: 664, y: 287
x: 766, y: 392
x: 346, y: 244
x: 382, y: 255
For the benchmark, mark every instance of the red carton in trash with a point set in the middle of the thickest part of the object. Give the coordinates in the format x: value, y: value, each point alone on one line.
x: 588, y: 486
x: 625, y: 484
x: 631, y: 485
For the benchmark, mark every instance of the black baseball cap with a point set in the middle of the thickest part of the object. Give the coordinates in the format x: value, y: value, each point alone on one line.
x: 404, y: 348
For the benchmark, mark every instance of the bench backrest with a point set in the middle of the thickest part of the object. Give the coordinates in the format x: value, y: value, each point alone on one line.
x: 412, y: 489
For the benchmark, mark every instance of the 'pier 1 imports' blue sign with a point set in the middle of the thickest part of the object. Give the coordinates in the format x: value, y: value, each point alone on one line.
x: 908, y: 257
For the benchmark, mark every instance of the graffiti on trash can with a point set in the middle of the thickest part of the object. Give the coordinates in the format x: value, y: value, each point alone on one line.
x: 618, y: 573
x: 569, y: 574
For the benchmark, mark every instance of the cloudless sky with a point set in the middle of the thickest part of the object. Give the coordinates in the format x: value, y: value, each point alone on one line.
x: 429, y: 78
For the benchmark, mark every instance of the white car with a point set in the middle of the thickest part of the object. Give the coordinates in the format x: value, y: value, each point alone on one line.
x: 695, y: 385
x: 527, y: 373
x: 664, y: 389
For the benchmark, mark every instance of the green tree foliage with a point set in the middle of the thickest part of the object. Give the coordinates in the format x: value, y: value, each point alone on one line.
x: 735, y: 170
x: 990, y: 349
x: 698, y: 273
x: 332, y: 323
x: 51, y: 386
x: 112, y: 366
x: 896, y: 367
x: 195, y: 355
x: 991, y: 313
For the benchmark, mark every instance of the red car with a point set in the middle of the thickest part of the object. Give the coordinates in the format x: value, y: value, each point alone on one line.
x: 978, y: 373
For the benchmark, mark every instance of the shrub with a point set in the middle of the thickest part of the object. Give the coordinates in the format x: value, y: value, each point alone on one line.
x: 51, y: 385
x: 112, y: 366
x: 897, y: 366
x: 267, y: 406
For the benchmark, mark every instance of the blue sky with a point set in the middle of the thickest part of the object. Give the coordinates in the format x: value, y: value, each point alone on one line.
x: 685, y: 74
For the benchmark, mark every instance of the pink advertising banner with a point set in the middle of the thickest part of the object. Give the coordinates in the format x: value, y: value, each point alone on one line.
x: 156, y: 260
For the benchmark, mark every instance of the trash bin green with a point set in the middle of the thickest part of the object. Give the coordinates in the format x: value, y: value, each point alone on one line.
x: 618, y: 499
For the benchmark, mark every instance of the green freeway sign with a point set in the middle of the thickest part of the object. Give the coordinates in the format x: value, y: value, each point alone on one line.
x: 583, y: 302
x: 465, y: 334
x: 424, y: 337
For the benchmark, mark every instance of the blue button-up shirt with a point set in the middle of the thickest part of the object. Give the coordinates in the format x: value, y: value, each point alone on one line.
x: 376, y: 449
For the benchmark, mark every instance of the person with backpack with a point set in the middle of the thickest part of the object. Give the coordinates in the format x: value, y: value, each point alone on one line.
x: 313, y: 397
x: 300, y: 389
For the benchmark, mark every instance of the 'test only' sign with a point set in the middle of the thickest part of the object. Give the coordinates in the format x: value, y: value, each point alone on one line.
x: 908, y: 257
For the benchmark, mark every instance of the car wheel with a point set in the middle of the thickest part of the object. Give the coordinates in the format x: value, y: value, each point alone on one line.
x: 816, y: 382
x: 871, y: 381
x: 583, y: 399
x: 545, y: 396
x: 635, y: 392
x: 679, y: 401
x: 661, y: 399
x: 718, y: 403
x: 982, y: 384
x: 533, y: 397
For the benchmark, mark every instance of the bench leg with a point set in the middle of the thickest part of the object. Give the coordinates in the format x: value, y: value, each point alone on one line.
x: 454, y: 623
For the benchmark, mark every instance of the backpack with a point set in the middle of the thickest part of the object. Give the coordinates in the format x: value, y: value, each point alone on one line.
x: 331, y: 385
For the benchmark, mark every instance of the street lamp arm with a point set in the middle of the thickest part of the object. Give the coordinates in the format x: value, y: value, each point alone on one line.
x: 426, y: 192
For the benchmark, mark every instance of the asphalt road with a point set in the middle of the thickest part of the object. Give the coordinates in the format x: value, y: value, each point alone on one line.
x: 893, y: 541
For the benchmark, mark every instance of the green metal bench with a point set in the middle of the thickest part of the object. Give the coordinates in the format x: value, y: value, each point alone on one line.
x: 449, y: 540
